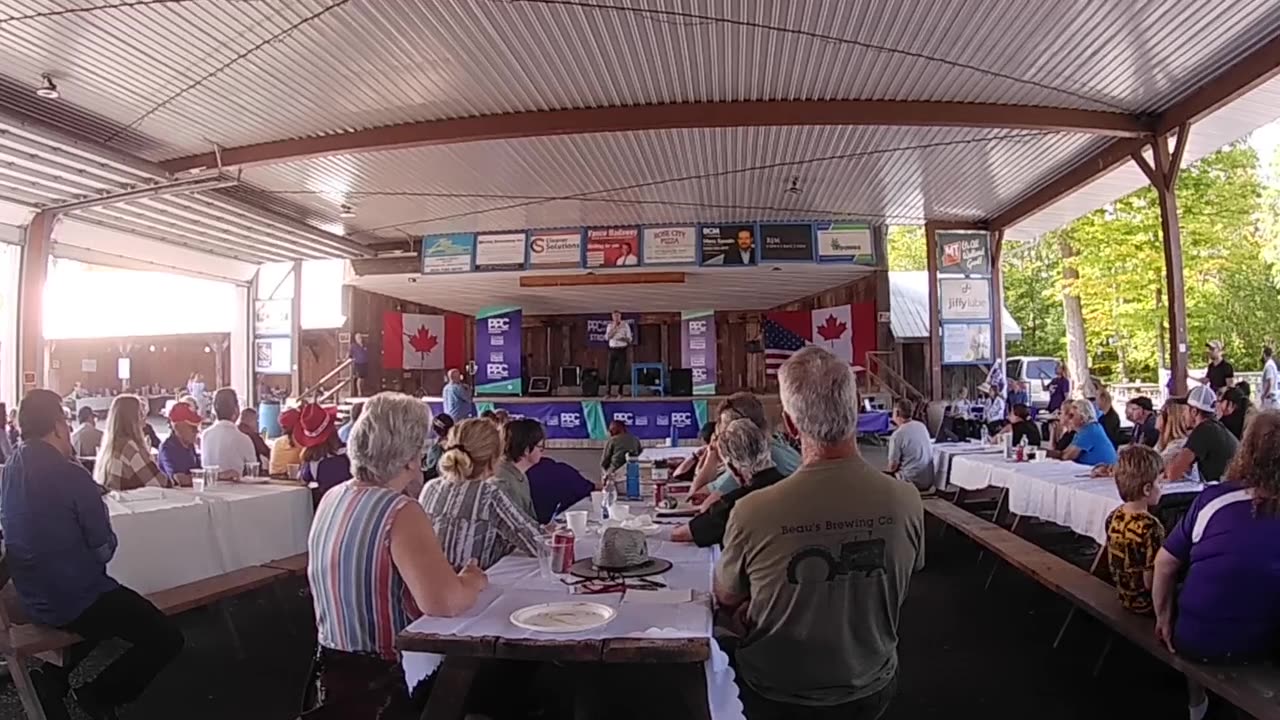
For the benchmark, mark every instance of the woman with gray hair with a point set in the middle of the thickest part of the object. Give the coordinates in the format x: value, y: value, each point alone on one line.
x: 1090, y: 446
x: 370, y: 543
x: 745, y: 448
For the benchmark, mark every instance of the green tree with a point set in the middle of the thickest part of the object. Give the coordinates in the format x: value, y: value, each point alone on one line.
x: 906, y: 248
x: 1032, y: 282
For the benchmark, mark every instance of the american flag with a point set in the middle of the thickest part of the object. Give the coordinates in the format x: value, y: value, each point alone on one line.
x: 784, y: 334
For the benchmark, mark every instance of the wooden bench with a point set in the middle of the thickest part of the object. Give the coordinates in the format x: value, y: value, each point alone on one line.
x: 20, y: 641
x: 1253, y: 689
x: 293, y: 565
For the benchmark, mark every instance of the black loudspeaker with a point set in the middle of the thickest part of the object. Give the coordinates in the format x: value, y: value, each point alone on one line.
x: 681, y: 380
x: 590, y: 382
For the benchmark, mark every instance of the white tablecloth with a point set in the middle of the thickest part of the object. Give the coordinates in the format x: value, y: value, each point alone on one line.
x: 1054, y: 490
x: 944, y: 453
x: 515, y: 582
x: 665, y: 453
x: 176, y: 536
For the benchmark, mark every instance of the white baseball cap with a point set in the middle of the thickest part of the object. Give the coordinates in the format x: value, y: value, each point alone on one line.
x: 1201, y: 397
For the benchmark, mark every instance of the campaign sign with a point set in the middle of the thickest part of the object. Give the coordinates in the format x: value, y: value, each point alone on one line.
x: 786, y: 242
x: 698, y: 348
x: 845, y: 242
x: 613, y: 247
x: 728, y: 244
x: 498, y: 351
x: 562, y: 420
x: 653, y: 420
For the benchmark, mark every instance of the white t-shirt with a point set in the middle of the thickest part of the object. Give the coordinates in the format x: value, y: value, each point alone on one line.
x: 224, y: 445
x: 619, y: 334
x: 1270, y: 373
x: 912, y: 450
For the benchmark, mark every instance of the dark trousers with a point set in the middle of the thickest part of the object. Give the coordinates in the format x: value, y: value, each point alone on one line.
x: 155, y: 641
x: 617, y: 369
x: 758, y: 707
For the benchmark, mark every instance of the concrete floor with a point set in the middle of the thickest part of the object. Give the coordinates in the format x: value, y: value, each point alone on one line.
x: 964, y: 652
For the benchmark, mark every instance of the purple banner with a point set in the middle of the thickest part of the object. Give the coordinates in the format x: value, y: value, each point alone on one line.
x: 698, y: 348
x: 598, y: 326
x: 653, y: 420
x: 498, y: 351
x: 563, y: 420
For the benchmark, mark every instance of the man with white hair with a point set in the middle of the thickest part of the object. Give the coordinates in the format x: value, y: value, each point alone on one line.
x: 457, y: 397
x: 1090, y: 445
x: 745, y: 449
x: 825, y: 558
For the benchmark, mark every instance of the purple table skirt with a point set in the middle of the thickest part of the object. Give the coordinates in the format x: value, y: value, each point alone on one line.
x: 875, y: 422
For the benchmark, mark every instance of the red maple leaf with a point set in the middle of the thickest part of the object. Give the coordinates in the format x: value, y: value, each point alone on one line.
x: 832, y: 329
x: 423, y: 341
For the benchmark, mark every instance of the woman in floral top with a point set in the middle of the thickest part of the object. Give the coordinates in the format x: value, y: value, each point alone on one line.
x: 472, y: 517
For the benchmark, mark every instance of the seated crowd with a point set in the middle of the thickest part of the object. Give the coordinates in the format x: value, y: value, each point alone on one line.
x: 412, y: 510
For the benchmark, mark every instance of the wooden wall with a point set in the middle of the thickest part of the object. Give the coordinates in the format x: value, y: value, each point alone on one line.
x: 364, y: 311
x: 170, y: 365
x: 553, y: 341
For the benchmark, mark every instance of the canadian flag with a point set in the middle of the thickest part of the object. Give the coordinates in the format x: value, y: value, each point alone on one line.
x: 423, y: 342
x: 833, y: 329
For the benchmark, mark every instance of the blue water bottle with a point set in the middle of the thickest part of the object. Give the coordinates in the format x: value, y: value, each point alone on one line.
x: 633, y: 478
x: 674, y: 439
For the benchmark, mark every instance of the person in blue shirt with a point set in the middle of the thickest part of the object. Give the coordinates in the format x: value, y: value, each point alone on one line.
x: 457, y: 398
x: 1090, y: 446
x: 1018, y: 393
x: 58, y: 541
x: 344, y: 431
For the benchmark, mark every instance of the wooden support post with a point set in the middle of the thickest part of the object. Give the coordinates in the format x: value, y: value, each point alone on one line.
x: 295, y: 332
x: 997, y: 302
x: 1162, y: 171
x: 935, y: 327
x: 32, y: 360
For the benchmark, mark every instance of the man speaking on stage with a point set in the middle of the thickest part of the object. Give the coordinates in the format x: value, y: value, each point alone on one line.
x: 619, y: 336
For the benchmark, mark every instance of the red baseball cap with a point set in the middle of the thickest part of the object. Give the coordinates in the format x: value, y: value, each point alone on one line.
x: 183, y: 413
x: 289, y: 419
x: 315, y: 425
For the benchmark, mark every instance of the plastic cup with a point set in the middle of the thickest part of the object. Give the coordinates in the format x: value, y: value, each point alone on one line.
x: 293, y: 470
x: 545, y: 549
x: 577, y: 521
x: 619, y: 512
x: 597, y: 504
x: 252, y: 469
x: 211, y: 476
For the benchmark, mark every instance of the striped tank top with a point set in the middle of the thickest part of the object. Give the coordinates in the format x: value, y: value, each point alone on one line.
x: 361, y: 602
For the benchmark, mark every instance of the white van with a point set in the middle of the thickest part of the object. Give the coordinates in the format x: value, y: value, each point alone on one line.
x: 1035, y: 372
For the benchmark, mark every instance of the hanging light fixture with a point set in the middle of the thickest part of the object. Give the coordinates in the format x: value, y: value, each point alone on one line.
x: 48, y: 89
x: 346, y: 212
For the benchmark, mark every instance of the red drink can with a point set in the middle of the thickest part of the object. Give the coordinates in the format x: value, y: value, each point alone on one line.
x: 562, y: 559
x: 659, y: 493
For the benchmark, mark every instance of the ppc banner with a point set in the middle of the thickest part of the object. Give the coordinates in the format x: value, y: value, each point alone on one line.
x: 589, y: 419
x: 598, y: 328
x: 498, y: 351
x: 698, y: 348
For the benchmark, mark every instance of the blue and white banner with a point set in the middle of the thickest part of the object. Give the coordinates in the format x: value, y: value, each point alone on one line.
x: 498, y: 351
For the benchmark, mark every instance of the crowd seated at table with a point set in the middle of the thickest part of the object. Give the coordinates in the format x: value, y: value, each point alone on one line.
x: 745, y: 450
x: 620, y: 446
x: 910, y: 447
x: 325, y: 463
x: 222, y: 444
x: 1089, y: 443
x: 284, y: 451
x: 177, y: 456
x: 86, y: 438
x: 58, y: 541
x: 124, y: 459
x: 716, y: 478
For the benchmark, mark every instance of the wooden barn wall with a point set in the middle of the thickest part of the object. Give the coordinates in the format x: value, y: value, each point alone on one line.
x: 364, y: 311
x: 170, y: 365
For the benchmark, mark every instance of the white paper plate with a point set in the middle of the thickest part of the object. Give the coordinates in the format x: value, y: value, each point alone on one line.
x: 254, y: 480
x: 562, y: 617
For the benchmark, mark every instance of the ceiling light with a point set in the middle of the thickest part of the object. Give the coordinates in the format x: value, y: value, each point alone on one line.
x: 794, y: 187
x: 346, y: 212
x: 49, y: 89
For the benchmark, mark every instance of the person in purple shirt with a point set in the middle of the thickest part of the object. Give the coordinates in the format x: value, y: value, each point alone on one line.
x: 1059, y: 388
x: 359, y: 355
x: 556, y: 485
x: 325, y: 464
x: 178, y: 451
x: 1228, y: 609
x: 58, y: 541
x: 552, y: 486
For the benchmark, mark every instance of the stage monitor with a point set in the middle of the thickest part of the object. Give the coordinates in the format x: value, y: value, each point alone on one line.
x: 649, y: 377
x: 571, y: 376
x: 540, y: 385
x: 681, y: 382
x: 590, y: 382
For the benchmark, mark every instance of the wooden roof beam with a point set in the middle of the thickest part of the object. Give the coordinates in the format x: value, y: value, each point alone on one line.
x: 549, y: 123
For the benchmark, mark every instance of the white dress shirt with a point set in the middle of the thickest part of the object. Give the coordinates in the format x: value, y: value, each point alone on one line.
x: 619, y: 334
x: 224, y: 445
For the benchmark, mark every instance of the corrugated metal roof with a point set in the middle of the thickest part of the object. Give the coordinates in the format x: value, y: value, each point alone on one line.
x: 896, y: 174
x: 909, y: 308
x: 368, y: 64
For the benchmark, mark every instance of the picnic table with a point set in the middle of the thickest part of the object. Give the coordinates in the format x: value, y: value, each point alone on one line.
x: 1053, y: 490
x: 945, y: 453
x: 651, y: 627
x: 174, y: 536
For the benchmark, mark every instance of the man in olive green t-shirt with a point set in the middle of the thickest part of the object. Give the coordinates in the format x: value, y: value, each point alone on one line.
x: 824, y: 557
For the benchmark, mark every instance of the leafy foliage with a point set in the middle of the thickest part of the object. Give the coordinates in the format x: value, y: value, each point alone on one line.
x: 1230, y: 222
